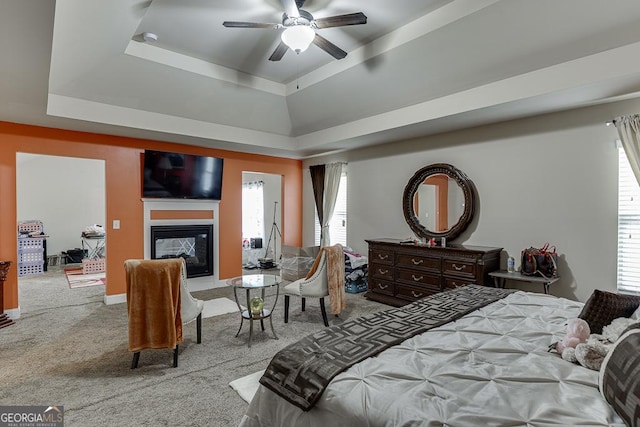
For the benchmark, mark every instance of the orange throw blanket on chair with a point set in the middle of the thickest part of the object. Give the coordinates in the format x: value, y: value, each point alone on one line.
x: 335, y: 275
x: 153, y: 303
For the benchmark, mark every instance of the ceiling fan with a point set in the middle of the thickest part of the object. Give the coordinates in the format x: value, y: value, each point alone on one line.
x: 300, y: 29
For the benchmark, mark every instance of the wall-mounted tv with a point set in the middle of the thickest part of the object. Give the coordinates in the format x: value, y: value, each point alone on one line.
x: 181, y: 176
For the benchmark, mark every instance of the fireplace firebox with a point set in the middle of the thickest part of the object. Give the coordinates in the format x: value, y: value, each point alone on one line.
x: 194, y: 243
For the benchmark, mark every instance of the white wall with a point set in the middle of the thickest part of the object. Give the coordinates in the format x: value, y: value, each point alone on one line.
x: 551, y: 178
x: 66, y: 193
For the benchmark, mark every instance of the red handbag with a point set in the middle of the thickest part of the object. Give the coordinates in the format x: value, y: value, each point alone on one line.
x: 540, y: 262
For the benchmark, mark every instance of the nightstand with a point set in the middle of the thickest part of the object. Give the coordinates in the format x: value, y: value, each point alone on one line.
x: 500, y: 278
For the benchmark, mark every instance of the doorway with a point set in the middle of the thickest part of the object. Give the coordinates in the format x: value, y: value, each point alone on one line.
x: 261, y: 220
x: 67, y: 196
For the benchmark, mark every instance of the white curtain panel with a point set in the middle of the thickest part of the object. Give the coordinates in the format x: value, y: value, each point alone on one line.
x: 332, y: 174
x: 629, y: 133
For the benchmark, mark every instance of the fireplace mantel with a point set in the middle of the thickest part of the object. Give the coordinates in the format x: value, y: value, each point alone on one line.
x: 163, y: 212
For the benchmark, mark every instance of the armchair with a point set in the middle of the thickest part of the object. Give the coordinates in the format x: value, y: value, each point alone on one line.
x: 158, y: 303
x: 326, y: 278
x: 315, y: 286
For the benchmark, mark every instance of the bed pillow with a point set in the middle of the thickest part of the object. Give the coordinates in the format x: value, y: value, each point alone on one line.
x: 619, y: 379
x: 602, y: 307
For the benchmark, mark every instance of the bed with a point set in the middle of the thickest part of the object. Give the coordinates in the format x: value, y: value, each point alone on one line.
x: 489, y: 365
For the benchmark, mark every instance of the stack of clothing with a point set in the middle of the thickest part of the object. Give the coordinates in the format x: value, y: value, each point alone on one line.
x: 355, y: 271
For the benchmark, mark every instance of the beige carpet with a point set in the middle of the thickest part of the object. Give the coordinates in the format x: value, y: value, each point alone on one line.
x: 70, y: 349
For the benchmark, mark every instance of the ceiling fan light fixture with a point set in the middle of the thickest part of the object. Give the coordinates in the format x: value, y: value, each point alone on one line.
x: 298, y: 37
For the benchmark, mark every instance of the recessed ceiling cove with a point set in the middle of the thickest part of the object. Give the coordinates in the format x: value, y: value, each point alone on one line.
x: 415, y: 68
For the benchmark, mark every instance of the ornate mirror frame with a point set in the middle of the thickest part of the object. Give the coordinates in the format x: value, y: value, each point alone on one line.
x: 465, y: 184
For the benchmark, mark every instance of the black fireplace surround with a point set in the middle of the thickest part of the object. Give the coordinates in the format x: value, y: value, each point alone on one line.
x: 194, y: 243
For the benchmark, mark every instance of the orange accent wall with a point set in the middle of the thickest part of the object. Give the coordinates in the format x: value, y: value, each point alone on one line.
x: 441, y: 182
x: 180, y: 214
x: 123, y: 195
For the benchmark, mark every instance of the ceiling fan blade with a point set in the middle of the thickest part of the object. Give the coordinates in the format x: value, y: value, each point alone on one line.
x: 240, y: 24
x: 279, y: 52
x: 290, y: 8
x: 329, y: 47
x: 341, y: 20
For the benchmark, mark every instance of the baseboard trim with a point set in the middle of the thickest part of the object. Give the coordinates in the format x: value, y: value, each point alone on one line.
x: 115, y: 299
x: 13, y: 313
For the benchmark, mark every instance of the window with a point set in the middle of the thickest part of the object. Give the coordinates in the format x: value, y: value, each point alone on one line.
x: 338, y: 223
x: 252, y: 209
x: 628, y: 227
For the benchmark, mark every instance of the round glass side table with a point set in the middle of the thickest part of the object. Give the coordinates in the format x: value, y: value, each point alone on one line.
x: 249, y: 283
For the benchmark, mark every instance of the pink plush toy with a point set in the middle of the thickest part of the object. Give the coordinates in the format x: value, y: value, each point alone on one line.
x: 577, y: 332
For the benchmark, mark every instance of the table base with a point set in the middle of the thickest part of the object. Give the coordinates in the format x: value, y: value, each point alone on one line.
x: 266, y: 313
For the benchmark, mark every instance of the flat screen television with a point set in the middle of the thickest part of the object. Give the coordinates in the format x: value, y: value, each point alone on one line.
x: 181, y: 176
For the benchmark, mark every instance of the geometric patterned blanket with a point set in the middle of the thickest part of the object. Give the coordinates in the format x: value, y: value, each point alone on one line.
x: 301, y: 371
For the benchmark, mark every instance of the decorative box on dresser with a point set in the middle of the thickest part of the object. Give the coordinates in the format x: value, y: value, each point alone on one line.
x: 400, y: 273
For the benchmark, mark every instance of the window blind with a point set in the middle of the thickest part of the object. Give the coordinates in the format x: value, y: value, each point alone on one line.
x: 338, y: 223
x: 628, y: 227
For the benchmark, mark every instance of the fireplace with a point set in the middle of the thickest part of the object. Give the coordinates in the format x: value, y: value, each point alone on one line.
x: 194, y: 243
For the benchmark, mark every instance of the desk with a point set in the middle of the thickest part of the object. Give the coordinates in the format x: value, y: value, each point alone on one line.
x: 94, y: 245
x: 500, y: 277
x: 254, y: 282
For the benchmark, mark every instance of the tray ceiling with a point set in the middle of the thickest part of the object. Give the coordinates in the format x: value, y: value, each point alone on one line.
x: 415, y: 68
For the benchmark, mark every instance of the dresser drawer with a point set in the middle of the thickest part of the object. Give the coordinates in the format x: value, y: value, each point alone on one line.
x: 455, y: 283
x: 381, y: 256
x: 401, y: 273
x: 381, y: 271
x: 382, y: 287
x: 459, y: 268
x: 412, y: 293
x: 418, y: 278
x: 418, y: 262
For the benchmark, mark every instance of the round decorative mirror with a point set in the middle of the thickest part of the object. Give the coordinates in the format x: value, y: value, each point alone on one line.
x: 439, y: 202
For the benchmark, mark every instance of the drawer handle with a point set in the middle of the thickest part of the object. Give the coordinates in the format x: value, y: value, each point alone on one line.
x: 383, y: 257
x: 381, y: 271
x: 416, y: 295
x: 462, y: 267
x: 416, y: 279
x: 457, y: 285
x: 418, y: 262
x: 381, y: 286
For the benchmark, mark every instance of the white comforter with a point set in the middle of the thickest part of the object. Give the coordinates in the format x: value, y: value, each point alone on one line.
x: 489, y: 368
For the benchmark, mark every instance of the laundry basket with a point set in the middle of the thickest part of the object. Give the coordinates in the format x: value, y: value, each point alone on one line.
x: 90, y: 266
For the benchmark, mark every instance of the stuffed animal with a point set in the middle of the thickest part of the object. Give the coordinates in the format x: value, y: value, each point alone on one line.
x: 577, y: 332
x: 590, y: 354
x: 612, y: 331
x: 590, y: 351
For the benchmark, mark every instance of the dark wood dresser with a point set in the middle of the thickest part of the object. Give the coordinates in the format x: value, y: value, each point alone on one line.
x: 401, y: 273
